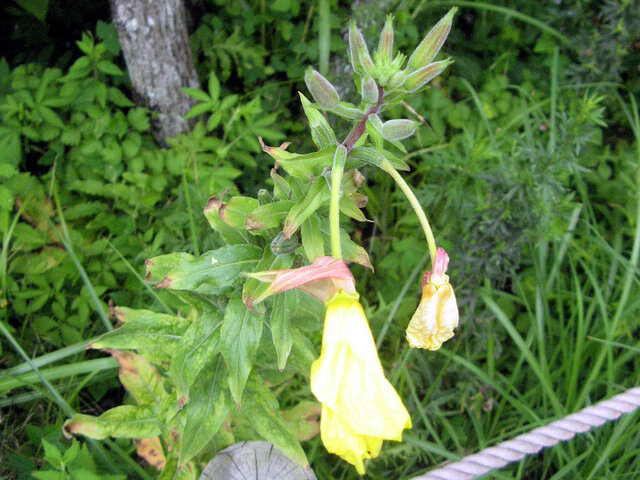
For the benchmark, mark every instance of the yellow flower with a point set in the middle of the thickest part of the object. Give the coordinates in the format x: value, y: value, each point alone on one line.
x: 437, y: 315
x: 360, y: 408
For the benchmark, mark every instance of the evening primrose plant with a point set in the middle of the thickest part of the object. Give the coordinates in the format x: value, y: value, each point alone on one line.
x: 201, y: 375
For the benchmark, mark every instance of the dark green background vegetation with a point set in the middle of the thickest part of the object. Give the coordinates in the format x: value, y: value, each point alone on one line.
x: 526, y: 162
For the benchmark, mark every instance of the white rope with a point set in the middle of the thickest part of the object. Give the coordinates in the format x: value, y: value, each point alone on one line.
x: 519, y: 447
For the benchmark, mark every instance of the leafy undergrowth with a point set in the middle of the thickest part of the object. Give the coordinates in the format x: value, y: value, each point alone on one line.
x: 530, y: 176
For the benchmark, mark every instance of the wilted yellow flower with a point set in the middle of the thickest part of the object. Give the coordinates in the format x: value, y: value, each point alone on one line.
x: 437, y: 314
x: 360, y: 408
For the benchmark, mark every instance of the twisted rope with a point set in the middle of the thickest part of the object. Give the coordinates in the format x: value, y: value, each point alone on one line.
x: 519, y: 447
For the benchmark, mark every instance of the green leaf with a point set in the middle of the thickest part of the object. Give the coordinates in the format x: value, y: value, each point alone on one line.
x: 206, y: 411
x: 154, y: 335
x: 270, y: 215
x: 199, y: 109
x: 366, y: 155
x: 234, y: 213
x: 36, y: 8
x: 311, y: 234
x: 229, y: 234
x: 125, y: 421
x: 139, y: 119
x: 280, y: 329
x: 317, y: 196
x: 350, y: 209
x: 160, y: 266
x: 307, y: 166
x: 51, y: 454
x: 140, y: 378
x: 352, y: 252
x: 109, y: 68
x: 50, y: 116
x: 260, y: 408
x: 49, y: 475
x: 214, y: 271
x: 253, y: 289
x: 239, y: 342
x: 196, y: 351
x: 172, y: 472
x: 302, y: 352
x: 197, y: 94
x: 214, y: 86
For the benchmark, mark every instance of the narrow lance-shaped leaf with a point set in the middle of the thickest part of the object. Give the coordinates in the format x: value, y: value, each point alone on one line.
x: 280, y: 329
x: 312, y: 243
x: 427, y: 50
x: 214, y: 271
x: 206, y: 411
x: 140, y: 378
x: 197, y: 351
x: 154, y: 335
x: 239, y: 342
x: 260, y: 408
x: 317, y: 196
x: 125, y: 421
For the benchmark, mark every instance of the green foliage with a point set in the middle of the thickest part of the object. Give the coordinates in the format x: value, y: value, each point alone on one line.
x: 74, y: 463
x: 529, y: 175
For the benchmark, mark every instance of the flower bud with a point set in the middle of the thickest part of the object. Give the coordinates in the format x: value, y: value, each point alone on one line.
x: 431, y: 44
x: 395, y: 130
x: 369, y: 90
x: 359, y: 52
x: 418, y: 79
x: 397, y: 80
x: 385, y: 45
x: 324, y: 93
x: 321, y: 132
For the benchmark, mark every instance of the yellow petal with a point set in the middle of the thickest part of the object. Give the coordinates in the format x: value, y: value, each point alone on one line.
x: 360, y: 406
x: 435, y: 319
x: 339, y: 439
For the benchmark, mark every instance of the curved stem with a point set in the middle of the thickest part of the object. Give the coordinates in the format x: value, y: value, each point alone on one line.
x: 413, y: 200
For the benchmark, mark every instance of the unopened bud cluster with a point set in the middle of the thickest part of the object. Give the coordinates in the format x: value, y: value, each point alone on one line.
x: 384, y: 72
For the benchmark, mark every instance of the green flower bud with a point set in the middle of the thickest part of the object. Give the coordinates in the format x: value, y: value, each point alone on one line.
x: 397, y: 80
x: 323, y: 92
x: 431, y: 44
x: 321, y: 132
x: 358, y: 51
x: 385, y: 45
x: 369, y: 90
x: 350, y: 113
x: 420, y: 78
x: 395, y: 130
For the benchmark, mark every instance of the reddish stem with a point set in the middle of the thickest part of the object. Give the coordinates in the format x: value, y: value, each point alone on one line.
x: 361, y: 127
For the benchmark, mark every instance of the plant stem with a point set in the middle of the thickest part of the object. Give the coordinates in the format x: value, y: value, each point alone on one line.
x: 413, y: 200
x: 334, y: 202
x: 361, y: 126
x: 336, y: 175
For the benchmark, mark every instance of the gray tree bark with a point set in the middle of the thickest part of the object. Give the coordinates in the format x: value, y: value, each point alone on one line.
x: 155, y: 43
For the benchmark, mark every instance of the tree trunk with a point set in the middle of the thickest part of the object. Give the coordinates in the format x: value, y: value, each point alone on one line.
x: 155, y: 43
